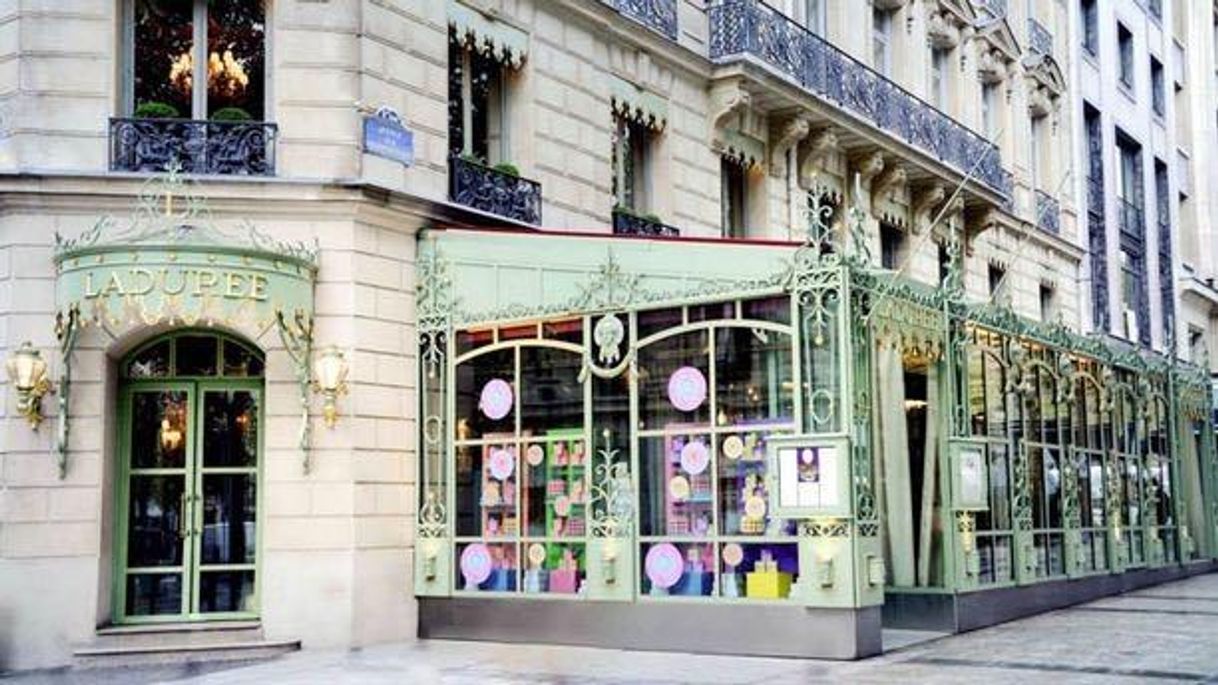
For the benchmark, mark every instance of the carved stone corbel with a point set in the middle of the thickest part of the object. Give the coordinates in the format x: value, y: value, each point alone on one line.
x: 1040, y: 103
x: 813, y: 153
x: 869, y: 166
x: 727, y: 98
x: 992, y: 66
x: 924, y: 204
x: 941, y: 30
x: 888, y: 180
x: 787, y: 135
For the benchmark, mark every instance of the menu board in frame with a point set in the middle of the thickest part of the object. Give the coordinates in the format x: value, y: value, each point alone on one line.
x: 970, y: 474
x: 811, y: 476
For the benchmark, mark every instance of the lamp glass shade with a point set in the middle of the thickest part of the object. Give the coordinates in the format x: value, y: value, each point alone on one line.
x: 26, y: 368
x: 330, y: 369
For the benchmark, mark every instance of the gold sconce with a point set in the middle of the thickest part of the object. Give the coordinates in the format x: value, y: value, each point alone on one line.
x: 330, y: 379
x: 27, y: 371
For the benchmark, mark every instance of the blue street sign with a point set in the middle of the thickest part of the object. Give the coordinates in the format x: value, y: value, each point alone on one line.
x: 385, y: 136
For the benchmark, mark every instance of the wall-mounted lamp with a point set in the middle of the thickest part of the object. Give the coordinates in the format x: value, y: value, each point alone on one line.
x: 27, y: 371
x: 330, y: 379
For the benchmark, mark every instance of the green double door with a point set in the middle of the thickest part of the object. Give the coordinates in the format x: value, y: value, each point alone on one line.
x: 188, y: 500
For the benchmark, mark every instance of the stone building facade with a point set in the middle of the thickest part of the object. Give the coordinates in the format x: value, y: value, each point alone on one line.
x: 940, y: 136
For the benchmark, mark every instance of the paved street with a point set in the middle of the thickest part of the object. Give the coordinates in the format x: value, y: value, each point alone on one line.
x: 1163, y: 634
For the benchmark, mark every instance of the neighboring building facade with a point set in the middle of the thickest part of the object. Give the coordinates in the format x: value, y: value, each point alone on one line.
x: 767, y: 316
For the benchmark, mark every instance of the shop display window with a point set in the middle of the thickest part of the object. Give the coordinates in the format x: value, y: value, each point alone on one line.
x: 707, y: 388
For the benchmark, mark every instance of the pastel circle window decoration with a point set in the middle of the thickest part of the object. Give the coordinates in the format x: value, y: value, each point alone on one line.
x: 733, y: 447
x: 678, y: 488
x: 537, y: 554
x: 496, y: 399
x: 687, y: 388
x: 502, y: 463
x: 476, y: 564
x: 754, y: 507
x: 664, y: 565
x: 562, y: 505
x: 534, y: 455
x: 694, y: 457
x: 733, y: 554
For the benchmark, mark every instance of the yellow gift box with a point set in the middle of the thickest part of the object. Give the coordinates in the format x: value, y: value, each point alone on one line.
x: 767, y: 585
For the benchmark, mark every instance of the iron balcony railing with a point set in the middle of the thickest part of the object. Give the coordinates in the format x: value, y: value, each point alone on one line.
x: 996, y: 8
x: 1132, y: 221
x: 1039, y: 38
x: 740, y: 28
x: 625, y: 223
x: 494, y: 191
x: 239, y: 148
x: 1048, y: 213
x: 657, y: 15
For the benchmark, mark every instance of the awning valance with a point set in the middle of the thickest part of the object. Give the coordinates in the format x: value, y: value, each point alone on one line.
x: 489, y: 36
x: 171, y: 266
x: 639, y: 105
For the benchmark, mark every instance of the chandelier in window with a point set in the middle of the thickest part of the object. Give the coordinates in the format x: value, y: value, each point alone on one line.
x: 226, y: 75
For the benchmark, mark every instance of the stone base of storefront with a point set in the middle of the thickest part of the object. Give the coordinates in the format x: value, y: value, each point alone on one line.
x: 784, y: 631
x: 957, y: 613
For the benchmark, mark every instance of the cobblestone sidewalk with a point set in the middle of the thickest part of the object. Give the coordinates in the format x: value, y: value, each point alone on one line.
x: 1163, y: 634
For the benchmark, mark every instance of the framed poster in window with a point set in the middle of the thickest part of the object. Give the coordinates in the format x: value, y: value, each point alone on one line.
x: 811, y: 476
x: 970, y: 482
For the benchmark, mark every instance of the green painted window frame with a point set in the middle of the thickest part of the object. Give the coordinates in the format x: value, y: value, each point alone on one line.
x: 193, y: 471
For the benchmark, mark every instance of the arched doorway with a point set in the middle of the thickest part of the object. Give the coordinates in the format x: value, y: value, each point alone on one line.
x: 189, y: 456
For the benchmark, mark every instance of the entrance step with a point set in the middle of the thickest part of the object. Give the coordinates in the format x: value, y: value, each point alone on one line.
x: 179, y: 643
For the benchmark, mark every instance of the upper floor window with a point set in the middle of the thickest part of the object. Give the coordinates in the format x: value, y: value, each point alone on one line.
x: 938, y: 77
x: 1129, y: 172
x: 1048, y: 302
x: 1091, y: 27
x: 990, y: 103
x: 892, y: 243
x: 200, y: 59
x: 631, y: 165
x: 881, y: 41
x: 996, y: 276
x: 1125, y: 51
x: 733, y: 193
x: 1158, y: 88
x: 1036, y: 149
x: 814, y: 15
x: 477, y: 105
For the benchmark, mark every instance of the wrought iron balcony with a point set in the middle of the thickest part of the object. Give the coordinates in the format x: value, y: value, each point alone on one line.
x: 626, y: 223
x: 751, y: 28
x: 996, y: 8
x: 1039, y: 38
x: 657, y: 15
x: 1048, y: 213
x: 491, y: 190
x: 239, y: 148
x: 1132, y: 222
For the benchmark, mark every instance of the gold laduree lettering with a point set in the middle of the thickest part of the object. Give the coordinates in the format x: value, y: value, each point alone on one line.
x: 114, y: 286
x: 233, y: 285
x: 258, y: 287
x: 141, y: 283
x: 204, y: 282
x: 165, y: 282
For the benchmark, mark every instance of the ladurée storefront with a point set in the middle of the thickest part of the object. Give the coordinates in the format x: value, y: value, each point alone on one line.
x: 191, y: 305
x: 207, y: 435
x: 776, y: 449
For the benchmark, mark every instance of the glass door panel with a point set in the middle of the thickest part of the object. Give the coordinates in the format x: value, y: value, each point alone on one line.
x: 157, y: 508
x: 227, y: 512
